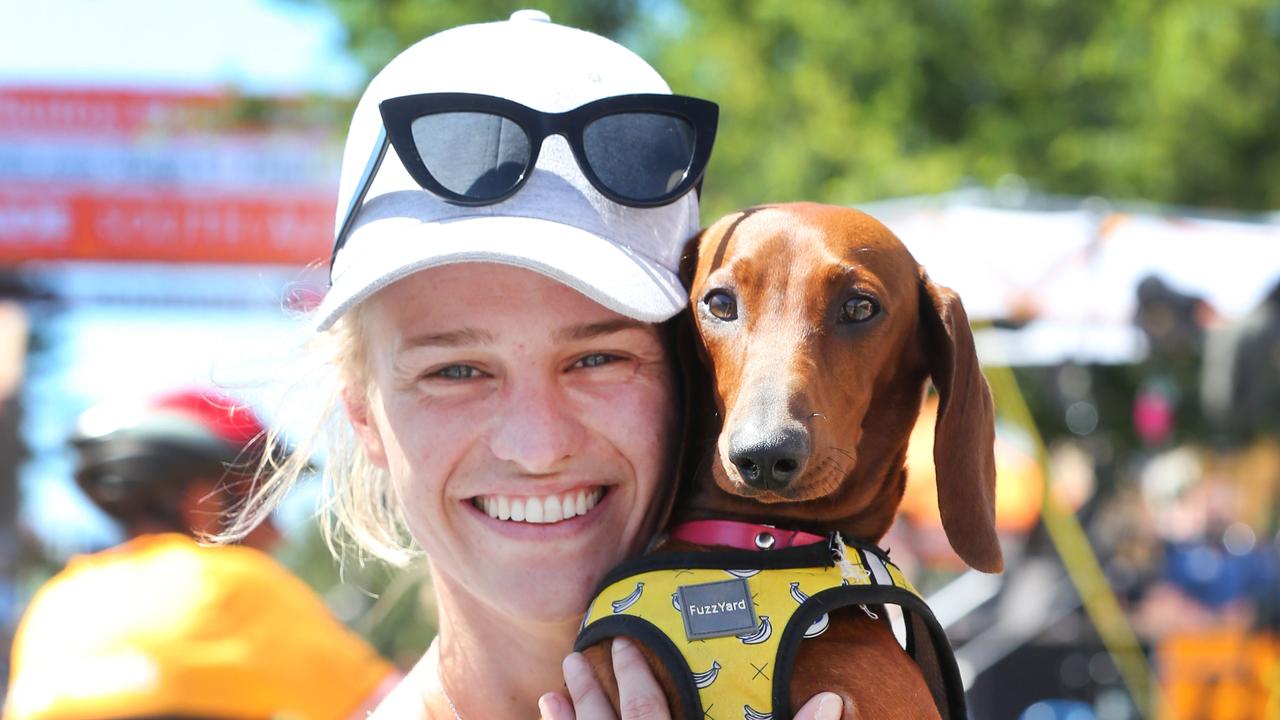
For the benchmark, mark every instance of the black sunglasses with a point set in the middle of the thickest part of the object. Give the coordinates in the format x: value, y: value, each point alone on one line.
x: 636, y: 150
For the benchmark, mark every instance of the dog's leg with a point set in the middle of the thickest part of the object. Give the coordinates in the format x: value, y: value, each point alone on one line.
x: 859, y: 658
x: 601, y: 660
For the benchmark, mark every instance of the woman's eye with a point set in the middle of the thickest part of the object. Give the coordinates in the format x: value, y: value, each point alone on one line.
x: 721, y: 305
x: 456, y: 372
x: 595, y: 360
x: 858, y: 309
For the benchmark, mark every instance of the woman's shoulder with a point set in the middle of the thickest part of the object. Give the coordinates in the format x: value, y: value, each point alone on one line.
x: 409, y: 699
x: 419, y: 696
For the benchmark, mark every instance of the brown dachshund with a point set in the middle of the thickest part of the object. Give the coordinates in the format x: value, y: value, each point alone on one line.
x: 821, y: 331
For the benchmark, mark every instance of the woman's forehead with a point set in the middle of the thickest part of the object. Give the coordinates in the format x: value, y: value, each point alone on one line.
x: 474, y: 303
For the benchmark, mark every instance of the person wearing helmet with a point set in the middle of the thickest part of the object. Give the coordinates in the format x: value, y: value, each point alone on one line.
x: 514, y: 203
x: 162, y: 626
x: 181, y: 464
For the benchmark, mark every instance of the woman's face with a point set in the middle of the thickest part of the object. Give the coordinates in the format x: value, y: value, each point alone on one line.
x: 501, y: 403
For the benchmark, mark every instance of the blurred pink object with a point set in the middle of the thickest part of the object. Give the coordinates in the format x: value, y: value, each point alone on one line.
x: 1152, y: 417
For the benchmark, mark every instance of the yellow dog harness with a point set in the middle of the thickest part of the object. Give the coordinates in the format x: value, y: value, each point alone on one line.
x: 731, y: 621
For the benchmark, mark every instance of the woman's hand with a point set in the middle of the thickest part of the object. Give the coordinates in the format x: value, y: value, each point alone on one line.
x: 640, y: 696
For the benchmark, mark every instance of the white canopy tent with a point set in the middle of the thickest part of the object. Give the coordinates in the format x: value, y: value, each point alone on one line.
x: 1067, y: 270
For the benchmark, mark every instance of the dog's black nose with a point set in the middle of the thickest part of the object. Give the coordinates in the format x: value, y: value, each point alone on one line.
x: 770, y: 459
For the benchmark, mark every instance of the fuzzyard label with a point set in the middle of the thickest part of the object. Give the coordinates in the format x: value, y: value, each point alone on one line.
x: 717, y: 609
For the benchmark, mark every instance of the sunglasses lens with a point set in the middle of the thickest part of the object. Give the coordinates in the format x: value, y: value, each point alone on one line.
x: 641, y: 156
x: 477, y: 155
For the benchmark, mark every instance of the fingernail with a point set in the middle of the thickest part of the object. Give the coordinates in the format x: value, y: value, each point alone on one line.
x: 574, y: 665
x: 554, y: 706
x: 621, y: 644
x: 546, y: 706
x: 830, y: 708
x: 577, y: 674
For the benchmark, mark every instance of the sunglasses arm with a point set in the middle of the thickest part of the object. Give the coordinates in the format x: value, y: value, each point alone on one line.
x: 362, y: 189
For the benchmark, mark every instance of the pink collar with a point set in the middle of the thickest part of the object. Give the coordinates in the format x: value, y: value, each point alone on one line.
x: 741, y: 535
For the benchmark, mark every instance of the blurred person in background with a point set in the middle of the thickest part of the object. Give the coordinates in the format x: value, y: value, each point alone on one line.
x: 1241, y: 380
x: 162, y: 626
x: 1207, y: 612
x: 1216, y: 570
x: 1174, y: 325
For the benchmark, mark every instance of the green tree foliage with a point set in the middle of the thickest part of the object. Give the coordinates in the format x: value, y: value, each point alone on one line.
x: 1175, y: 101
x: 1170, y: 100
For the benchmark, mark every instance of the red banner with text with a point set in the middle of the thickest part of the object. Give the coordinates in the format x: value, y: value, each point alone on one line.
x: 159, y: 177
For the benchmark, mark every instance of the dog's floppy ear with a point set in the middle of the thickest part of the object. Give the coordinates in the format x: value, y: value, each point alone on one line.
x: 964, y: 437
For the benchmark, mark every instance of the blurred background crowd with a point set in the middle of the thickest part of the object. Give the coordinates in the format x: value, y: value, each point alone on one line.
x: 1098, y: 179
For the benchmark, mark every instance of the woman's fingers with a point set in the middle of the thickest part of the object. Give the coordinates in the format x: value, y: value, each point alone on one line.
x: 589, y: 701
x: 641, y: 698
x: 554, y: 706
x: 823, y: 706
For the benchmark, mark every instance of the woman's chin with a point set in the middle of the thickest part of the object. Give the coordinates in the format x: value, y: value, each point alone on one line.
x: 541, y: 572
x: 542, y: 589
x: 550, y: 603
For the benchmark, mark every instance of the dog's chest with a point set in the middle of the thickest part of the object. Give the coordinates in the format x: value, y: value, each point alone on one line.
x: 735, y: 618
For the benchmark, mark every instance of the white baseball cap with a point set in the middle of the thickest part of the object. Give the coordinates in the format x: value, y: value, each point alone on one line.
x: 557, y: 224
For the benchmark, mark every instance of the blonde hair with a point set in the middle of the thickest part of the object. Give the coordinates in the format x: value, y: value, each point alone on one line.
x: 358, y: 508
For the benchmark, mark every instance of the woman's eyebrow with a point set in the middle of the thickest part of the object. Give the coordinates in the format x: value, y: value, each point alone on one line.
x: 451, y: 338
x: 588, y: 331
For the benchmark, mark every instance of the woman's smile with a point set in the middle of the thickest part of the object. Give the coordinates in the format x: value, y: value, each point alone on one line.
x: 535, y: 510
x: 587, y: 529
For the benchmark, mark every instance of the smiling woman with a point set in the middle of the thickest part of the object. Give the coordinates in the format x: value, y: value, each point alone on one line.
x: 507, y: 399
x: 508, y: 403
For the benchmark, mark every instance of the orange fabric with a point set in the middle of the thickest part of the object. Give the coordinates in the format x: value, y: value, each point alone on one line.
x: 1018, y: 478
x: 163, y: 626
x: 1220, y: 676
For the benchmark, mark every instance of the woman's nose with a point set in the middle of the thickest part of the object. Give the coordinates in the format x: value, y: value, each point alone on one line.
x: 537, y: 429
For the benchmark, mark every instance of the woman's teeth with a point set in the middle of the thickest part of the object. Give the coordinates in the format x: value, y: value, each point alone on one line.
x: 538, y: 510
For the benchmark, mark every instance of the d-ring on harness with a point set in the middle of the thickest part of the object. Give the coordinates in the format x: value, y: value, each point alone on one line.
x: 730, y: 621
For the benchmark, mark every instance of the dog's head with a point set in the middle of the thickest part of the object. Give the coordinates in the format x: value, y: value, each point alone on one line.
x: 821, y: 329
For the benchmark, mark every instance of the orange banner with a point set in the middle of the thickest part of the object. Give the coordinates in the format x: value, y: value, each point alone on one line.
x: 142, y: 225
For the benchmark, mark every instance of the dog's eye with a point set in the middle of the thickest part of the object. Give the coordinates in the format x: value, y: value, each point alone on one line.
x: 721, y: 305
x: 858, y: 309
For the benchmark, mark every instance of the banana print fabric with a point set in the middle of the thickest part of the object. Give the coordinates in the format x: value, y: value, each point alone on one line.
x: 733, y: 676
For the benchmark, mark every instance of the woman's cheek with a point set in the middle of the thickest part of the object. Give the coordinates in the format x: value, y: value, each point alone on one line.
x: 433, y: 423
x: 646, y: 433
x: 426, y: 449
x: 638, y: 412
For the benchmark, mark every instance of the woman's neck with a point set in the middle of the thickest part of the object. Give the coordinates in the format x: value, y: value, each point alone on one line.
x: 492, y: 665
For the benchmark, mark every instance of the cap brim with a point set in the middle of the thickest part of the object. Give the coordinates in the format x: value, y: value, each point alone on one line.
x: 614, y: 276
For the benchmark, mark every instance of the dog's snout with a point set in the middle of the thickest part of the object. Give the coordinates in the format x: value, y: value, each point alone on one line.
x: 769, y: 460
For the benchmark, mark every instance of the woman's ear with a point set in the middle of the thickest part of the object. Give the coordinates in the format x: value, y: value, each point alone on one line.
x: 357, y: 400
